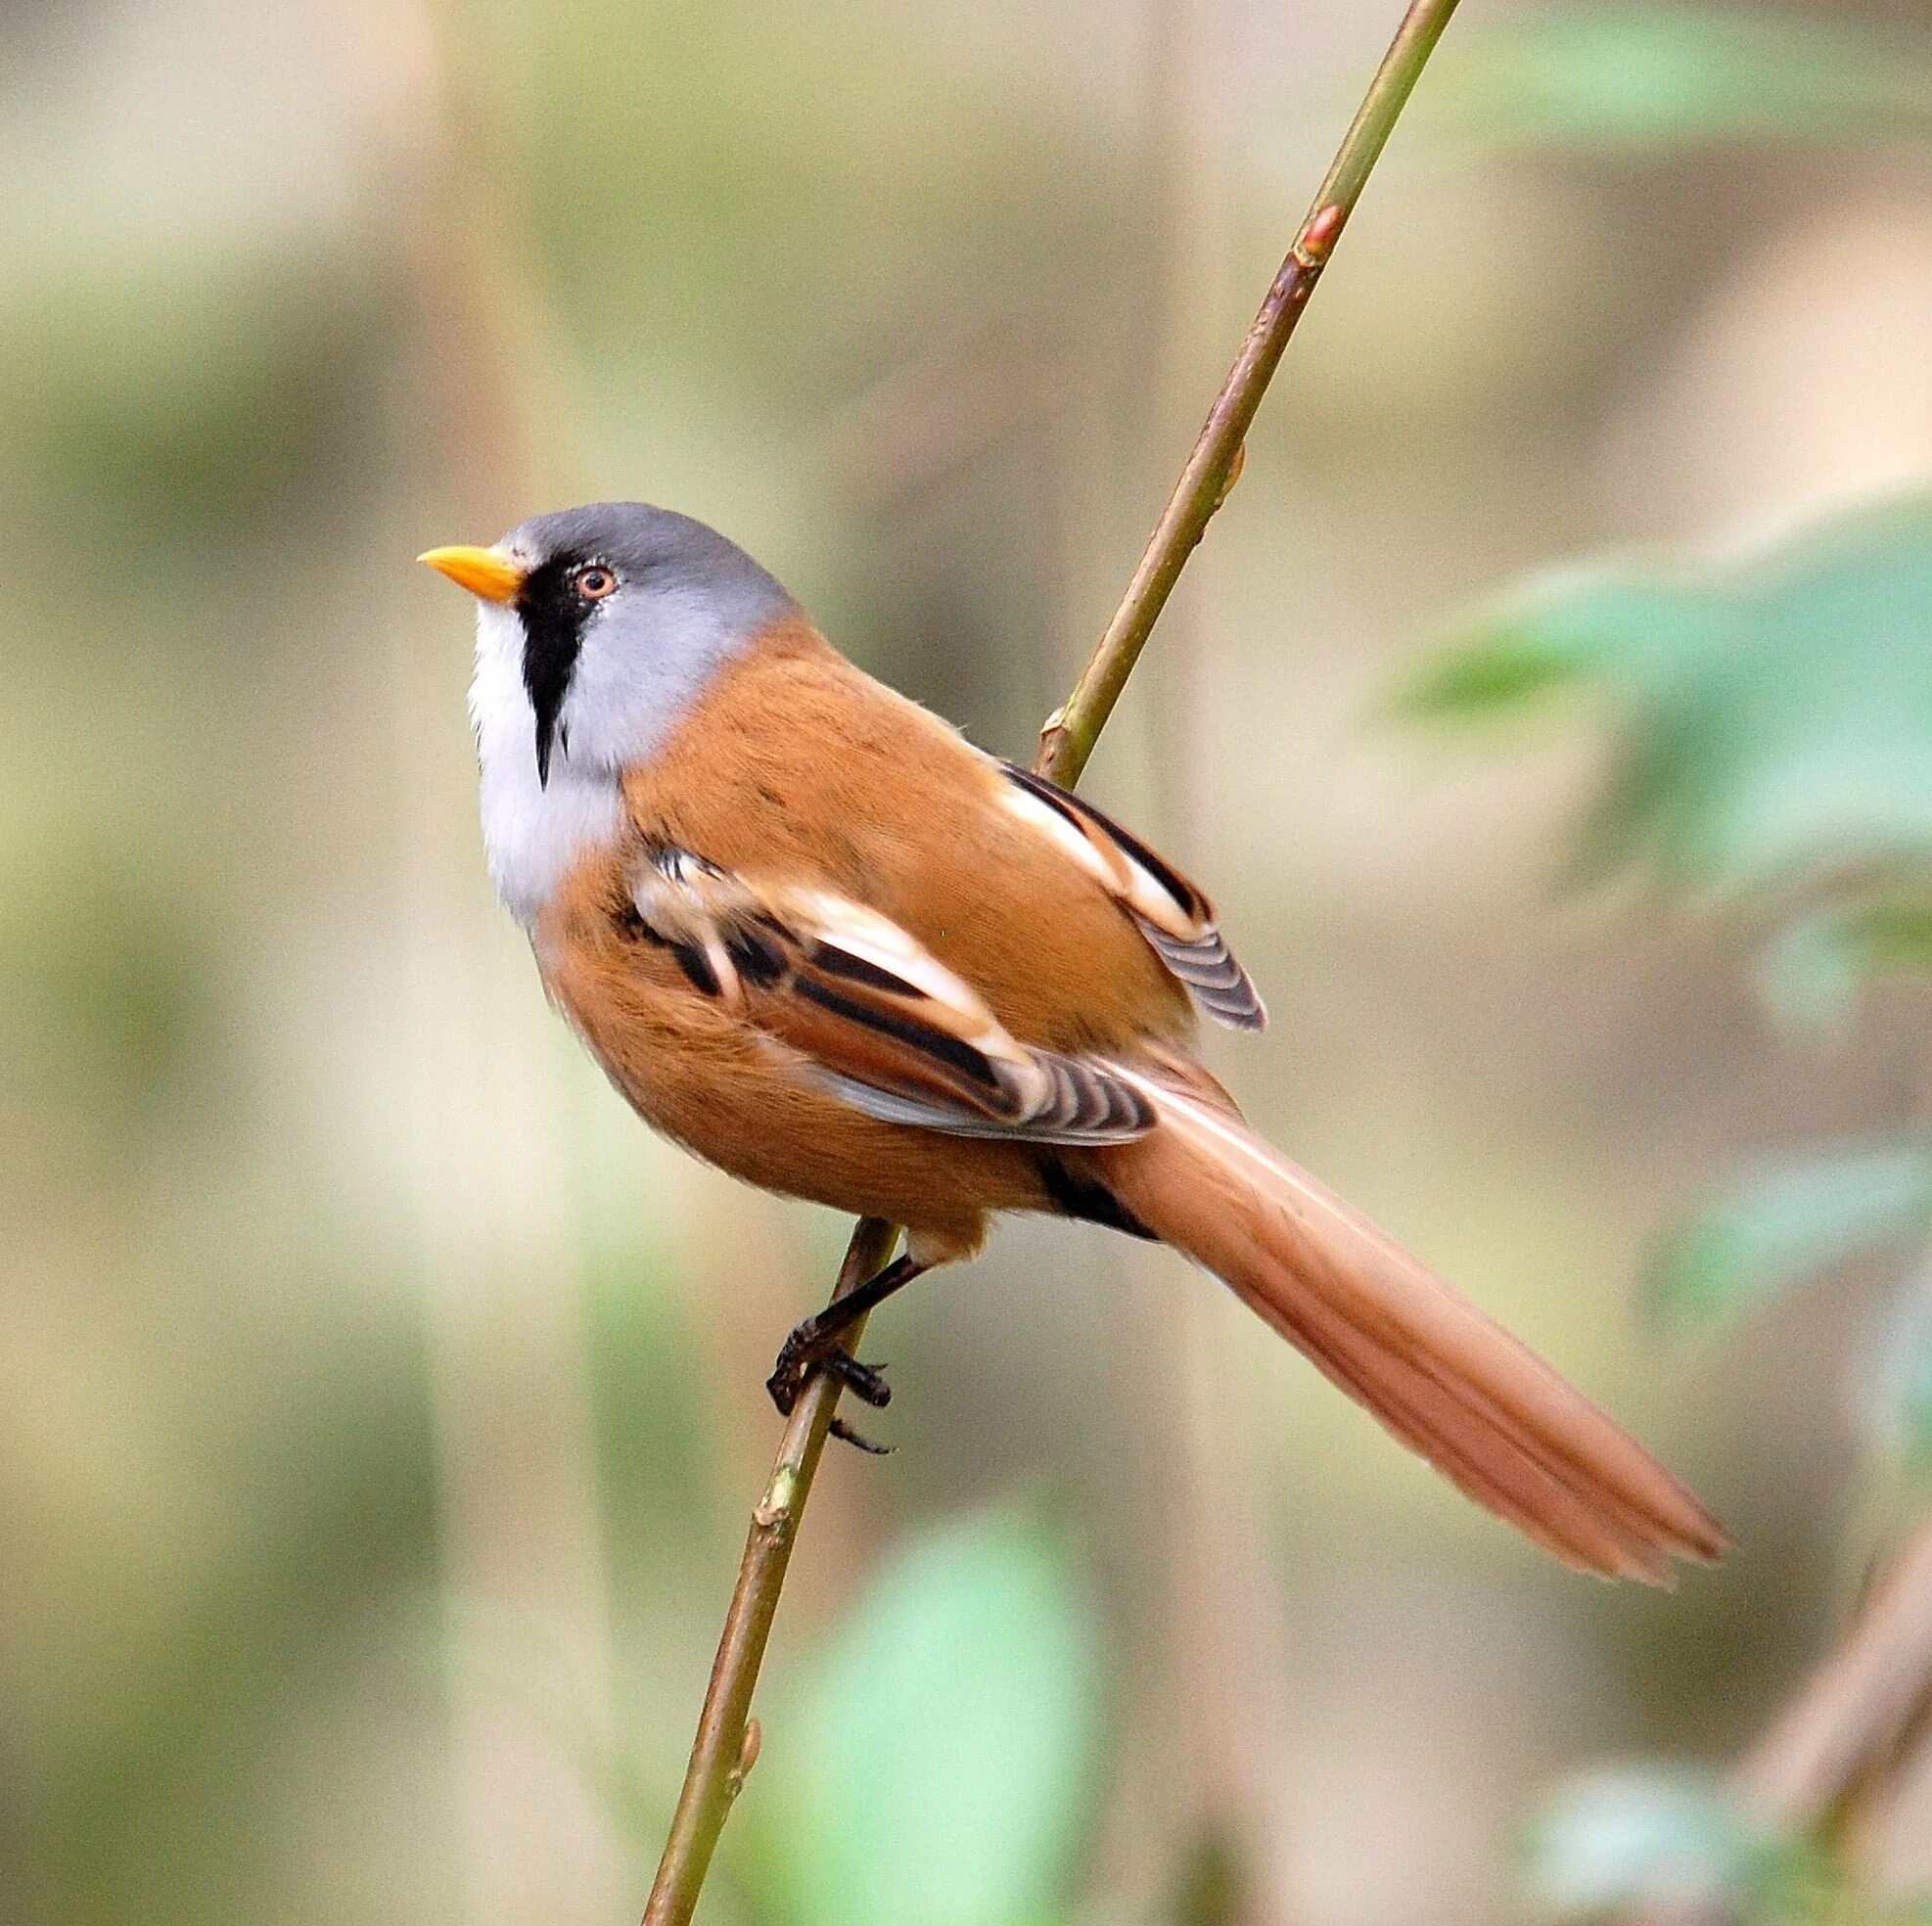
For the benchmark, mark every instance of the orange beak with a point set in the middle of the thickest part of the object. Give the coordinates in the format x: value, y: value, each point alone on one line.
x: 483, y: 571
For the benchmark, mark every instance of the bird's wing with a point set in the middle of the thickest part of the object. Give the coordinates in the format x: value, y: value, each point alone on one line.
x: 880, y: 1021
x: 1175, y: 917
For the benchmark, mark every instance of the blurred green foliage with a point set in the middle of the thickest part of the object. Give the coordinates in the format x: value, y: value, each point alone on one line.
x: 1774, y: 712
x: 1771, y: 736
x: 1650, y: 79
x: 1788, y: 1221
x: 1773, y: 720
x: 1772, y: 751
x: 939, y: 1769
x: 327, y: 1529
x: 1811, y: 972
x: 1618, y: 1839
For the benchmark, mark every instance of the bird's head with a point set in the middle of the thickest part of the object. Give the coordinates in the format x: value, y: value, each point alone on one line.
x: 606, y: 621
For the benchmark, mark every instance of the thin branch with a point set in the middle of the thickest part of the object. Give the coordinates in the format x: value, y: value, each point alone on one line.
x: 1842, y: 1738
x: 1857, y: 1707
x: 723, y: 1752
x: 1215, y: 465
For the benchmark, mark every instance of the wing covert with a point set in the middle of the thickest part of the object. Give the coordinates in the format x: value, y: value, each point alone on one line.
x: 1176, y: 919
x: 887, y: 1027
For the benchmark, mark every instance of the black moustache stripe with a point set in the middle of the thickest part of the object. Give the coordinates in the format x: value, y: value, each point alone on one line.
x: 553, y: 617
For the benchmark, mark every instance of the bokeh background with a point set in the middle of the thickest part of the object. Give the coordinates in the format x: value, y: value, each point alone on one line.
x: 380, y: 1406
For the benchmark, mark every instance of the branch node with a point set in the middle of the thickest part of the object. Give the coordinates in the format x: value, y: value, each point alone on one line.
x: 773, y: 1512
x: 748, y: 1757
x: 1317, y: 240
x: 1234, y: 470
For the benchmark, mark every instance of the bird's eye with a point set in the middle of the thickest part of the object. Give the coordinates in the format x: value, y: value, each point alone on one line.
x: 596, y: 582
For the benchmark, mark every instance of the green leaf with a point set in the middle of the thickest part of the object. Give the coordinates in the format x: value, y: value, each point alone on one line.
x: 1774, y: 714
x: 1653, y: 80
x: 1783, y: 1223
x: 1493, y: 675
x: 1814, y: 972
x: 1617, y: 1839
x: 938, y: 1773
x: 1560, y: 630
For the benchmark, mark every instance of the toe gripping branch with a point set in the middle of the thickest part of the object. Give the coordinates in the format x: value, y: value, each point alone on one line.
x: 814, y: 1346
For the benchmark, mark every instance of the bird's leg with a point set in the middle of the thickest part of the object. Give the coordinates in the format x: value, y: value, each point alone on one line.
x: 814, y: 1346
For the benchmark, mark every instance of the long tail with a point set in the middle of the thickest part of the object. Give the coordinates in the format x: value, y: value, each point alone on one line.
x: 1475, y: 1402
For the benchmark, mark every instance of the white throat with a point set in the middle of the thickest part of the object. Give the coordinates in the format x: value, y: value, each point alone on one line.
x: 533, y: 833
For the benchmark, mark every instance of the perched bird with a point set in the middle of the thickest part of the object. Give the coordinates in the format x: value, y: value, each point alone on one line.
x: 820, y: 940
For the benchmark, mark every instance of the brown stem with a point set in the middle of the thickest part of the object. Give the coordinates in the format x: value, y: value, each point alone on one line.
x: 720, y: 1756
x: 1853, y: 1719
x: 1856, y: 1707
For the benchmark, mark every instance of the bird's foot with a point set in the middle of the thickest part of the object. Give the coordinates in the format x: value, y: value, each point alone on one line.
x: 841, y: 1429
x: 807, y: 1352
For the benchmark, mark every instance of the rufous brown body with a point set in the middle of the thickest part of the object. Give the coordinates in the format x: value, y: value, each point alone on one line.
x: 819, y: 938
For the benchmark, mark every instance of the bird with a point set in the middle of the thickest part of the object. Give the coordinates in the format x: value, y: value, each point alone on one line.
x: 823, y: 942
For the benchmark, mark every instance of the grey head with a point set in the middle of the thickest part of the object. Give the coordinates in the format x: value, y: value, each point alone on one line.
x: 623, y: 615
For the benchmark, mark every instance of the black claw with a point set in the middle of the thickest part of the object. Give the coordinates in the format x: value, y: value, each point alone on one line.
x: 840, y: 1429
x: 800, y: 1357
x: 813, y: 1347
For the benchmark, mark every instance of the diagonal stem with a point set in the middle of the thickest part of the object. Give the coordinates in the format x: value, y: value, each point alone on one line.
x: 723, y: 1752
x: 726, y: 1742
x: 1214, y: 464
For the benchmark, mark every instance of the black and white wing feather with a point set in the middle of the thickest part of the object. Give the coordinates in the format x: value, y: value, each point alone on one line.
x: 882, y: 1022
x: 1175, y: 917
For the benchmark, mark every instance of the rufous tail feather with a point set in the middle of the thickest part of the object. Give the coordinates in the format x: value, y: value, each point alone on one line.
x: 1445, y: 1378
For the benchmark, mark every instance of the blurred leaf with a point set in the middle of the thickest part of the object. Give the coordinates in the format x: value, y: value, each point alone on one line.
x: 1812, y: 973
x: 1776, y: 713
x: 1559, y: 631
x: 1655, y: 79
x: 1619, y: 1838
x: 1782, y: 1222
x: 938, y: 1774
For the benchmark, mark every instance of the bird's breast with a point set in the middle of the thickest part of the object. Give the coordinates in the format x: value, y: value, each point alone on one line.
x: 535, y: 833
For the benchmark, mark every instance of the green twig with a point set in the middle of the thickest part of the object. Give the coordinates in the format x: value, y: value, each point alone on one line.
x: 723, y: 1752
x: 1215, y: 465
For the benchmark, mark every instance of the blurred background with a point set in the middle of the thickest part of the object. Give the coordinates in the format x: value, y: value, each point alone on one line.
x: 380, y: 1406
